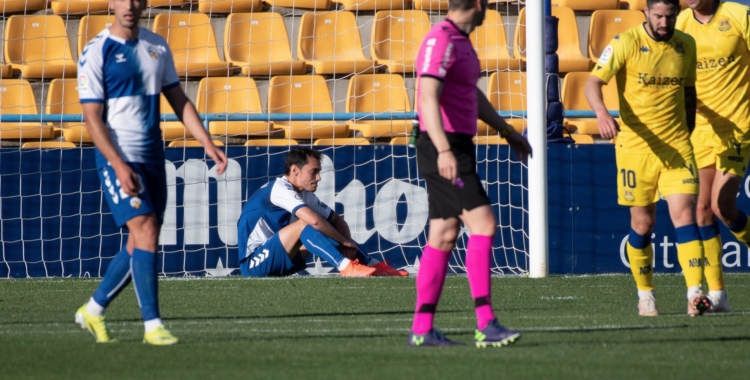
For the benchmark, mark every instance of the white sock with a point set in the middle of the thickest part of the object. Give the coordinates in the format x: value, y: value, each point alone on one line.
x: 717, y: 293
x: 373, y: 263
x: 152, y: 324
x: 94, y: 308
x: 344, y: 263
x: 694, y: 291
x: 645, y: 294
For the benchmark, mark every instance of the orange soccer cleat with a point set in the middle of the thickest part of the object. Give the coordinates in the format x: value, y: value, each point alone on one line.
x: 355, y: 269
x: 383, y: 269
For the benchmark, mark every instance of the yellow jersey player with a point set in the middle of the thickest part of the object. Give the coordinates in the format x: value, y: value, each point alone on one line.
x: 721, y: 140
x: 654, y: 66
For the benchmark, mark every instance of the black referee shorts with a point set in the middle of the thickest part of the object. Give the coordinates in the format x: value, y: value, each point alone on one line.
x: 445, y: 199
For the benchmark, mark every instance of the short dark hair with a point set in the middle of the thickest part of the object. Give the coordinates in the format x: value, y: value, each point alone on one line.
x: 461, y: 5
x: 298, y: 157
x: 650, y: 3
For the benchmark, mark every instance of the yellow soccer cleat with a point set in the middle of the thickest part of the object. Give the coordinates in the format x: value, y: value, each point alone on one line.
x: 96, y: 325
x: 160, y: 336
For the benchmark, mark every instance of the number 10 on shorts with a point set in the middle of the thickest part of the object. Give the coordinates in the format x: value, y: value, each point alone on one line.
x: 628, y: 178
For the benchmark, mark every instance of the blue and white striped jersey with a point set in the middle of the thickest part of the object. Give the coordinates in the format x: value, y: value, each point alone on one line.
x: 128, y: 78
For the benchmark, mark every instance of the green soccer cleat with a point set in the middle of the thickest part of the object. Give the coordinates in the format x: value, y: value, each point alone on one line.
x: 160, y: 336
x: 96, y: 325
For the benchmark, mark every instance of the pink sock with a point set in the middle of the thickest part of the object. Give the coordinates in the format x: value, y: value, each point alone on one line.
x: 478, y: 256
x: 432, y: 267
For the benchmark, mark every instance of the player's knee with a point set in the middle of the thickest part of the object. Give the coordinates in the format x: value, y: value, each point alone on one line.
x: 147, y: 233
x: 445, y: 241
x: 704, y: 214
x: 643, y: 225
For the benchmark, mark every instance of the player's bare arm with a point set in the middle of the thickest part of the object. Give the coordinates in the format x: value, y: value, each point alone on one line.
x: 608, y: 127
x: 188, y: 115
x: 313, y: 219
x: 92, y: 113
x: 488, y: 115
x: 691, y: 102
x: 430, y: 90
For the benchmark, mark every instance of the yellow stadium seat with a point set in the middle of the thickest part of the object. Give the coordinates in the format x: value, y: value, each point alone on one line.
x: 237, y: 95
x: 71, y: 7
x: 372, y: 5
x: 191, y: 38
x: 28, y: 6
x: 172, y: 130
x: 230, y: 6
x: 258, y: 42
x: 607, y: 24
x: 573, y: 98
x: 192, y: 143
x: 342, y: 141
x: 62, y: 99
x: 17, y: 98
x: 492, y: 46
x: 431, y: 5
x: 89, y: 27
x: 38, y: 47
x: 271, y: 142
x: 569, y: 45
x: 378, y: 93
x: 322, y: 5
x: 304, y: 94
x: 506, y: 92
x: 489, y: 140
x: 587, y: 5
x: 639, y: 5
x: 396, y: 36
x: 330, y: 42
x: 582, y: 139
x: 5, y: 71
x: 167, y: 3
x: 48, y: 144
x: 400, y: 140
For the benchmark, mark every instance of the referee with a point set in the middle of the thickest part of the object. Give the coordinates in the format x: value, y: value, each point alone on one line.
x: 449, y: 103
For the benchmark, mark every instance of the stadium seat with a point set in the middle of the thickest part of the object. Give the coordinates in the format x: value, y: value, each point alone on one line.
x: 237, y: 95
x: 304, y: 94
x: 230, y: 6
x: 342, y: 141
x: 271, y: 142
x: 330, y: 42
x: 62, y: 99
x: 5, y: 71
x: 168, y: 3
x: 582, y: 139
x: 607, y: 24
x: 76, y: 7
x: 89, y: 27
x: 372, y: 5
x: 192, y: 143
x: 396, y: 36
x: 506, y: 92
x: 259, y: 44
x: 48, y: 144
x: 431, y: 5
x: 28, y: 6
x: 587, y: 5
x: 492, y: 45
x: 569, y: 44
x: 638, y: 5
x: 191, y: 38
x: 574, y: 99
x: 489, y: 140
x: 378, y: 93
x: 400, y: 140
x: 38, y: 47
x: 322, y: 5
x: 17, y: 98
x: 172, y: 130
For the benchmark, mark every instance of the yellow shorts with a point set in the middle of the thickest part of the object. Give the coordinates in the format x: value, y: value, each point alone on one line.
x: 729, y: 155
x: 642, y: 177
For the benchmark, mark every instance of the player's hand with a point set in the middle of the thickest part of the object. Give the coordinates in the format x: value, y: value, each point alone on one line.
x: 520, y: 145
x: 129, y: 183
x: 447, y: 166
x: 608, y: 127
x: 218, y: 156
x: 349, y: 249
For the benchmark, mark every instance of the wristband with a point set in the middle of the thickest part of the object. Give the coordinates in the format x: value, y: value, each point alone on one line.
x: 445, y: 151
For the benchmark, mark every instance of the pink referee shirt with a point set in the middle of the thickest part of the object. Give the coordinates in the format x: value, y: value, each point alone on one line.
x: 448, y: 55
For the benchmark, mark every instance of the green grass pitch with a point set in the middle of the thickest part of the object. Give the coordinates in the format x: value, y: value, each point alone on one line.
x: 332, y: 328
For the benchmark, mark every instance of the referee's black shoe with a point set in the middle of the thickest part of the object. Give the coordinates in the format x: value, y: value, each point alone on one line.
x: 431, y: 338
x: 495, y: 335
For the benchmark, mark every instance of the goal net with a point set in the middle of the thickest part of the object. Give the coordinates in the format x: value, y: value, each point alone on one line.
x: 266, y: 77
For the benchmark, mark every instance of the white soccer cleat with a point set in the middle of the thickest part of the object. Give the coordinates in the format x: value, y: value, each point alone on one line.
x: 719, y: 301
x: 647, y: 306
x: 698, y: 304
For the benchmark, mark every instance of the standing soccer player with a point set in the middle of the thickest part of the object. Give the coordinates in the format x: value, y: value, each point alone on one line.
x: 721, y: 139
x: 121, y: 74
x: 654, y: 66
x: 449, y: 103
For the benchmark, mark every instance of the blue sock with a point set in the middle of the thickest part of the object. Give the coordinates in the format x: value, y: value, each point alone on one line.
x: 116, y: 279
x: 363, y: 259
x: 144, y: 279
x: 321, y: 246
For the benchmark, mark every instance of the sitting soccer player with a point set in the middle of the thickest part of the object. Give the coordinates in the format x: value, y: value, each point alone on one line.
x: 284, y: 220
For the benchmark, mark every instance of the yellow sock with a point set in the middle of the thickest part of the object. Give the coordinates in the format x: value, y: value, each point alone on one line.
x: 712, y: 250
x: 690, y: 254
x: 641, y: 257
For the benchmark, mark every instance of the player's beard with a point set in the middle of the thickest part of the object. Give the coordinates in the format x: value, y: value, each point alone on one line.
x: 479, y: 16
x: 660, y: 37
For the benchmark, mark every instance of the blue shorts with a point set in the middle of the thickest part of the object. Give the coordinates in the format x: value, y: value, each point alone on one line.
x: 152, y: 197
x: 271, y: 259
